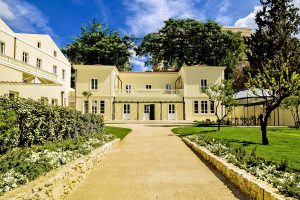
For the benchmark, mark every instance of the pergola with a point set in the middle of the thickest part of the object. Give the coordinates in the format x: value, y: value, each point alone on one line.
x: 247, y: 99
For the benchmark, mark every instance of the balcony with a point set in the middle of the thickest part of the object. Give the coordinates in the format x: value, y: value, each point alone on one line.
x: 24, y: 67
x: 150, y: 93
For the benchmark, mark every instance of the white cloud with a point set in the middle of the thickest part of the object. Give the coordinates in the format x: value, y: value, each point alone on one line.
x: 148, y: 15
x: 249, y: 20
x: 222, y: 16
x: 24, y: 17
x: 138, y: 63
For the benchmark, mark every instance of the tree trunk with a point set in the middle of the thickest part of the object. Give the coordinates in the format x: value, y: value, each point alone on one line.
x: 219, y: 125
x: 263, y: 126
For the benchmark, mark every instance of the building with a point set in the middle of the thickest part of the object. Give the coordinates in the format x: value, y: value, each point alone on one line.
x: 146, y: 95
x: 32, y: 66
x: 245, y: 32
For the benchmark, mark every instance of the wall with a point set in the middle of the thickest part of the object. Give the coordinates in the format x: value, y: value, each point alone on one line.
x: 8, y: 74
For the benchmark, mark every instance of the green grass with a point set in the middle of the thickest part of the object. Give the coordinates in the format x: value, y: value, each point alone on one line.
x: 284, y: 142
x: 117, y: 131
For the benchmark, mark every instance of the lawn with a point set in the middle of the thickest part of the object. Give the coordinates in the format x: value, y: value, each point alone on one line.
x: 117, y: 131
x: 284, y: 142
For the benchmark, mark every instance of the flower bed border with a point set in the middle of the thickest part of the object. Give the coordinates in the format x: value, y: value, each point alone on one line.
x: 58, y: 183
x: 249, y: 184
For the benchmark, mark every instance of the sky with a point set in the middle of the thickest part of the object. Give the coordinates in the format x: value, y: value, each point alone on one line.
x: 62, y: 19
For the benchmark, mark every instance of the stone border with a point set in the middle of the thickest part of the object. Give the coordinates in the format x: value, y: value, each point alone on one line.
x: 249, y: 184
x: 58, y: 183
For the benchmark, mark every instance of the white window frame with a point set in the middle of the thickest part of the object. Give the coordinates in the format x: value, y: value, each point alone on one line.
x: 128, y: 88
x: 39, y: 63
x: 94, y: 84
x: 204, y: 107
x: 126, y: 108
x: 63, y: 74
x: 94, y: 106
x: 171, y: 109
x: 196, y: 107
x: 86, y: 105
x: 212, y: 107
x: 148, y: 86
x: 102, y: 106
x: 168, y: 88
x: 2, y: 47
x: 25, y: 57
x: 147, y: 108
x: 203, y: 84
x: 54, y: 69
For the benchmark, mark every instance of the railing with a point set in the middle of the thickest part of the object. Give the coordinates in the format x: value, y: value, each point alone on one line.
x: 149, y: 92
x: 19, y: 65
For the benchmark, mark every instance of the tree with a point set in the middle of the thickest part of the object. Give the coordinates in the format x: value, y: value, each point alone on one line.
x: 292, y: 103
x: 87, y: 94
x: 223, y: 95
x: 99, y: 45
x: 274, y: 55
x: 191, y: 42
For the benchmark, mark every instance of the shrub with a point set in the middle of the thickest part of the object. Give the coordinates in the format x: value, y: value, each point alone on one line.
x: 205, y: 123
x: 25, y: 122
x: 279, y: 175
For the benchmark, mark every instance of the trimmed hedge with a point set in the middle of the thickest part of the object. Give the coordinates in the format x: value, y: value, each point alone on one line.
x: 26, y: 122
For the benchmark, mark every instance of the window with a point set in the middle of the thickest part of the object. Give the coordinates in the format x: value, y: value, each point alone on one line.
x: 168, y: 88
x: 39, y: 63
x: 13, y: 94
x: 25, y: 57
x: 203, y: 106
x: 63, y: 74
x: 94, y: 106
x: 128, y: 88
x: 54, y: 69
x: 148, y: 87
x: 203, y: 85
x: 126, y: 108
x: 212, y: 107
x: 146, y: 108
x: 54, y: 102
x: 86, y: 106
x: 94, y: 84
x: 102, y: 107
x: 2, y: 48
x: 54, y: 53
x: 39, y: 45
x: 196, y: 107
x: 171, y: 108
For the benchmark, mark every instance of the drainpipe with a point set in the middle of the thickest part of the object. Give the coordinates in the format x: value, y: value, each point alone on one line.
x: 15, y: 47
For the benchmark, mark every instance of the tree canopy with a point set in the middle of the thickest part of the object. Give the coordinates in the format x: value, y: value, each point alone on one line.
x: 191, y: 42
x: 274, y: 55
x: 100, y: 45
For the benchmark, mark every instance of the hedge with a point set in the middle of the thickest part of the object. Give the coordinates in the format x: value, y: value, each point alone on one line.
x: 26, y: 122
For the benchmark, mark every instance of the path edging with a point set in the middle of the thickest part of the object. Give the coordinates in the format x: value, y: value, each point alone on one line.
x: 57, y: 183
x: 248, y: 183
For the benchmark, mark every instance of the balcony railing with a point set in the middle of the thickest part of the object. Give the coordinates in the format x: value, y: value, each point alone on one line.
x: 24, y: 67
x: 149, y: 92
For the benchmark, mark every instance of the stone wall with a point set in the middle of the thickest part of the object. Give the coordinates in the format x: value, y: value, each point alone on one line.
x: 249, y: 184
x: 59, y: 182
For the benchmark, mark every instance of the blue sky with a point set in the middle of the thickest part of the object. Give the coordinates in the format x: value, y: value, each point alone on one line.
x: 62, y: 19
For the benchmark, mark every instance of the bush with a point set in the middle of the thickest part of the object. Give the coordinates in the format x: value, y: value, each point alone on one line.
x: 279, y: 175
x: 205, y: 123
x: 25, y: 122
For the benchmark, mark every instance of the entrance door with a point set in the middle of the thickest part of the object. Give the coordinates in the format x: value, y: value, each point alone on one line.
x: 126, y: 112
x: 152, y: 112
x: 146, y: 112
x: 171, y: 113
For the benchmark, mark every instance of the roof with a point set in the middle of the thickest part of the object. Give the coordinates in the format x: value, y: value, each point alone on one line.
x: 258, y: 93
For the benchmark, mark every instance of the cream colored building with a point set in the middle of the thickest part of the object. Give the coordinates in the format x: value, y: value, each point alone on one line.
x: 146, y: 95
x: 32, y: 66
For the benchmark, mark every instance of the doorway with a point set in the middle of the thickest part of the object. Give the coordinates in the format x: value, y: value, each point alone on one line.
x: 152, y: 112
x: 149, y: 112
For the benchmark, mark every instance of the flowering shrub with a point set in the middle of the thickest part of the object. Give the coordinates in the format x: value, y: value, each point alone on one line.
x: 279, y: 175
x: 25, y: 122
x: 22, y: 165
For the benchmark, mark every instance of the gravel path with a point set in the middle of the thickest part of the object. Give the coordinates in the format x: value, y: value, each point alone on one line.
x: 151, y: 163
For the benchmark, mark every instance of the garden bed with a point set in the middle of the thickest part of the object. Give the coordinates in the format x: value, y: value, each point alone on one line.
x: 285, y: 180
